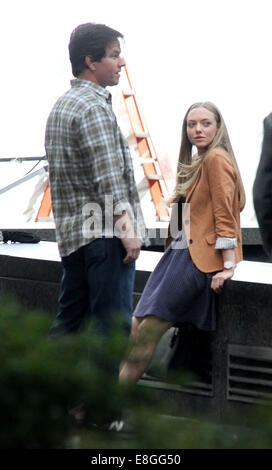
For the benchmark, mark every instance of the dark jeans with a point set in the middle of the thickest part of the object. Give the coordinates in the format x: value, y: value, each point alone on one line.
x: 96, y: 284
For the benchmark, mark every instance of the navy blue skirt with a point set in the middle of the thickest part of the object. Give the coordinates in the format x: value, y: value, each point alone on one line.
x: 178, y: 292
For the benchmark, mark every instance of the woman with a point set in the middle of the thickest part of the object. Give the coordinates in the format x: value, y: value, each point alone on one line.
x: 183, y: 285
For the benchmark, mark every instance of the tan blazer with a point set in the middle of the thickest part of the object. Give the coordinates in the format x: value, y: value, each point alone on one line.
x: 214, y: 212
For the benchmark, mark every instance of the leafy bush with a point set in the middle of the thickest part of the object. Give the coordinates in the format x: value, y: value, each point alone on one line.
x: 41, y: 378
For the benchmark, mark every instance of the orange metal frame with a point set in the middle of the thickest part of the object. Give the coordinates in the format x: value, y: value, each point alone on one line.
x: 142, y: 138
x: 45, y: 207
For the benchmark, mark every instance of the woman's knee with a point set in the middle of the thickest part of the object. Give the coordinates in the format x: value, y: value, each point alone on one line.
x: 152, y: 328
x: 134, y: 326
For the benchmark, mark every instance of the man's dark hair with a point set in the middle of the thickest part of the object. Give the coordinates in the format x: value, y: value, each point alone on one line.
x: 90, y: 39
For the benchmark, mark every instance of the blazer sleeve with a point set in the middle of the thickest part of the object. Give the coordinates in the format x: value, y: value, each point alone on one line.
x: 262, y: 188
x: 222, y: 180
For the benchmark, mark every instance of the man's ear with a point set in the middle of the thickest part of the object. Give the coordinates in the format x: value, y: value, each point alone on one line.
x: 90, y: 64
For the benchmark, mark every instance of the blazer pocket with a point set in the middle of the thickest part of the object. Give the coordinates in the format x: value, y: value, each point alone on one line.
x: 211, y: 238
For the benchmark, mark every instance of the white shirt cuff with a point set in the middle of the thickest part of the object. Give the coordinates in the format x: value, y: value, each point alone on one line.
x: 225, y: 243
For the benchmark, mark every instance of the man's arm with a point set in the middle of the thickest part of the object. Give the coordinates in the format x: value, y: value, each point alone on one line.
x: 128, y: 238
x: 262, y: 188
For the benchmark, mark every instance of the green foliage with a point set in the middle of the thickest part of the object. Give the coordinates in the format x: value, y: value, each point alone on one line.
x: 43, y: 377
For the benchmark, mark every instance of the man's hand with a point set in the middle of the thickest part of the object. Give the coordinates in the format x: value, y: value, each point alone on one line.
x: 130, y: 242
x: 132, y: 247
x: 219, y: 278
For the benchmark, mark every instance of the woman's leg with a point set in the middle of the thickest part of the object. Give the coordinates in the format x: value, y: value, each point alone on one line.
x: 134, y: 326
x: 144, y: 338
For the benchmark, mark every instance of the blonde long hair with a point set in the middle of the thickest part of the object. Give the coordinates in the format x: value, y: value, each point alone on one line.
x: 189, y: 168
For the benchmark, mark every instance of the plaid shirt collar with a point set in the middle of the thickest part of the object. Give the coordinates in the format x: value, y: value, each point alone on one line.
x: 99, y: 90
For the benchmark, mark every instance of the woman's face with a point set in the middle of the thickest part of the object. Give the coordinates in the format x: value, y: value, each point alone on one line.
x: 201, y: 128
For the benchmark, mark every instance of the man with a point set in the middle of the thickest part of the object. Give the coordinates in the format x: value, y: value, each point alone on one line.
x: 91, y: 173
x: 262, y: 188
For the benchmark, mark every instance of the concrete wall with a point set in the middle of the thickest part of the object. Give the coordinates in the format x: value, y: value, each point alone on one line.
x: 232, y: 368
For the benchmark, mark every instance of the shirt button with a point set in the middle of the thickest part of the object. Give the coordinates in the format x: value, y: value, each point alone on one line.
x: 190, y: 241
x: 186, y: 222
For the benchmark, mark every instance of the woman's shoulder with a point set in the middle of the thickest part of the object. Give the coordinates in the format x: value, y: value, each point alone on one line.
x: 218, y: 156
x: 217, y: 152
x: 217, y: 161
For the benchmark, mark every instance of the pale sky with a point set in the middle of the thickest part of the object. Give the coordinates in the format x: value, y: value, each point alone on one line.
x: 177, y: 52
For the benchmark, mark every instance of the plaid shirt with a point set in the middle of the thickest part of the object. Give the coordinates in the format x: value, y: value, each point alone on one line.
x: 88, y: 159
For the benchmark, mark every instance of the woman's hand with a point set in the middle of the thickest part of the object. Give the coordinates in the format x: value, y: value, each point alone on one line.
x: 219, y: 278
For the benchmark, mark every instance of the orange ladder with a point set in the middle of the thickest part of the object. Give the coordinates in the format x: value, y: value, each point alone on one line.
x: 45, y: 207
x: 156, y: 169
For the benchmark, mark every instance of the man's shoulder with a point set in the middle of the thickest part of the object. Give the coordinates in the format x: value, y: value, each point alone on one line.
x: 81, y: 96
x: 77, y: 102
x: 268, y: 121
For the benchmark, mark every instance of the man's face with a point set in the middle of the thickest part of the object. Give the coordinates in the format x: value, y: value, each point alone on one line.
x: 107, y: 71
